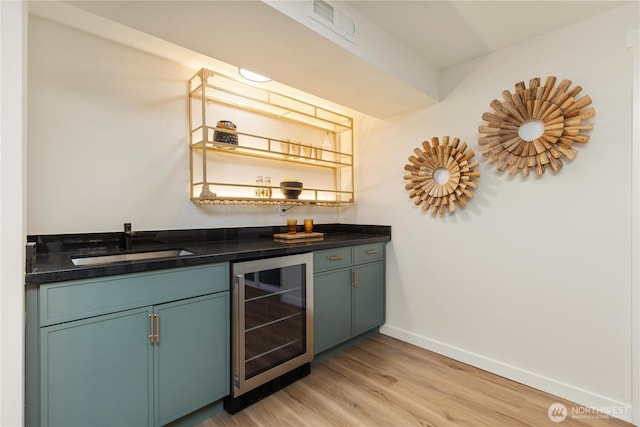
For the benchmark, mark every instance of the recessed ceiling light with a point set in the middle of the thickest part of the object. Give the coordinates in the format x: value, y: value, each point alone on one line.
x: 254, y: 77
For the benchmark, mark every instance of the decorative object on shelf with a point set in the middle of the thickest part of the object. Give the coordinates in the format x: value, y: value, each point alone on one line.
x: 307, y: 151
x: 266, y: 191
x: 284, y: 146
x: 258, y: 190
x: 291, y: 189
x: 441, y: 175
x: 295, y: 148
x: 206, y: 193
x: 262, y: 189
x: 327, y: 154
x: 225, y: 132
x: 558, y: 109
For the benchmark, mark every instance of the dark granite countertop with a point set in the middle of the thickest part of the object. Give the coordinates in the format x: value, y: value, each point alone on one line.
x: 54, y: 252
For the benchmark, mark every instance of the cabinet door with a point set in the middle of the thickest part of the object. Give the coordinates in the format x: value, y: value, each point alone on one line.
x: 97, y: 371
x: 331, y: 308
x: 368, y: 297
x: 192, y: 358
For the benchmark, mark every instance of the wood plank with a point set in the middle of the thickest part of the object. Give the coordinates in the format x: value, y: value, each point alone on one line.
x: 298, y: 236
x: 387, y: 382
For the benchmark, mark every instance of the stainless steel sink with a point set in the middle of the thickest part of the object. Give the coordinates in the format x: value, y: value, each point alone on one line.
x: 134, y: 256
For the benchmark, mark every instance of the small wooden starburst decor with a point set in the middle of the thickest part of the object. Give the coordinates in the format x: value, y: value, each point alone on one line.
x: 560, y: 111
x: 449, y: 159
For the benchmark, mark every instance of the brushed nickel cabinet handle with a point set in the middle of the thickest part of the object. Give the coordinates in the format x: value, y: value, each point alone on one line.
x: 355, y: 278
x: 334, y: 258
x: 372, y: 252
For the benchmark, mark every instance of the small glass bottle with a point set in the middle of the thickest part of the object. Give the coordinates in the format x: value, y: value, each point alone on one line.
x: 267, y: 190
x: 258, y: 190
x: 327, y: 147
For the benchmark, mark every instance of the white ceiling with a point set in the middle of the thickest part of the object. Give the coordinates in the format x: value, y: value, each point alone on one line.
x: 392, y: 67
x: 448, y: 33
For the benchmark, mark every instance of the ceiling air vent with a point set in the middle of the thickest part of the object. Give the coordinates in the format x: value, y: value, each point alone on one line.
x: 334, y: 19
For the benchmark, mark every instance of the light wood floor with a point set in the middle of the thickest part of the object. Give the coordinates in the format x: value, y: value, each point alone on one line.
x: 386, y: 382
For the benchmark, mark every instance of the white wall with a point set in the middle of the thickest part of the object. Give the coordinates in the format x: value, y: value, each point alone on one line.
x: 13, y: 20
x: 108, y: 129
x: 532, y: 279
x: 633, y: 42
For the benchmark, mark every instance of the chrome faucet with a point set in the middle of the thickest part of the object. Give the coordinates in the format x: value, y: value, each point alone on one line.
x: 128, y: 236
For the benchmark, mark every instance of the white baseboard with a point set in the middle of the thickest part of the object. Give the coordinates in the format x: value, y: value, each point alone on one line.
x: 617, y: 409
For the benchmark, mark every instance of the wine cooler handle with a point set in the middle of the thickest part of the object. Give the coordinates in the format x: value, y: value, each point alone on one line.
x: 238, y: 330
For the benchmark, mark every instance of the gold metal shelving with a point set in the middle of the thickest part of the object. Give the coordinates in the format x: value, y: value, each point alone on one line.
x: 330, y: 165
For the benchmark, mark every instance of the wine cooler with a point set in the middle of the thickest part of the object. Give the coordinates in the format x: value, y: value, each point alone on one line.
x: 272, y: 326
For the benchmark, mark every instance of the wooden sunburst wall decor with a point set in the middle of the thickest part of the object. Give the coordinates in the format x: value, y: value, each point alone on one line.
x: 456, y: 175
x: 559, y: 109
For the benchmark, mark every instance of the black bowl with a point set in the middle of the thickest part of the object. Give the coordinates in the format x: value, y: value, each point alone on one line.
x: 291, y: 189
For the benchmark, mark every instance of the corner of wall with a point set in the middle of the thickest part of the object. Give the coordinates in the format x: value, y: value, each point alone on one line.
x: 633, y: 42
x: 13, y: 22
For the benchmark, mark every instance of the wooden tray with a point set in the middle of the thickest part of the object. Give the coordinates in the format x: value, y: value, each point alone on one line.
x: 298, y: 236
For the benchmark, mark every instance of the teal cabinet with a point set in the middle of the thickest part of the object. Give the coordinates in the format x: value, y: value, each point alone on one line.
x: 97, y: 371
x: 331, y: 309
x: 136, y: 366
x: 191, y: 356
x: 348, y: 292
x: 368, y: 297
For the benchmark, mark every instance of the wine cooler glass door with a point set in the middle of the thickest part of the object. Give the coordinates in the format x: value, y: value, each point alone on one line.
x: 273, y: 318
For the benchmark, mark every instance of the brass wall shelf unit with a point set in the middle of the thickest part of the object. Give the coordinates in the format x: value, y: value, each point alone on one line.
x: 272, y: 134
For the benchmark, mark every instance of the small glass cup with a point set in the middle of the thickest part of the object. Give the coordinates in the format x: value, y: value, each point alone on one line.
x: 295, y: 148
x: 284, y: 146
x: 306, y: 150
x: 292, y: 226
x: 308, y: 225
